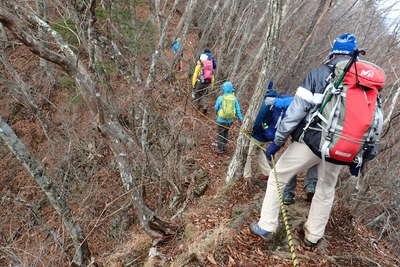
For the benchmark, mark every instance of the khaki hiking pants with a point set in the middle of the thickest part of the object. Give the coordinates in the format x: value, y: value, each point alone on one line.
x: 256, y: 151
x: 298, y: 157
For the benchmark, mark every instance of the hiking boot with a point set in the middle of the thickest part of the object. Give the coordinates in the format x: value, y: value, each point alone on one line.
x: 263, y: 177
x: 310, y: 244
x: 257, y: 230
x: 309, y: 189
x: 307, y: 243
x: 288, y: 198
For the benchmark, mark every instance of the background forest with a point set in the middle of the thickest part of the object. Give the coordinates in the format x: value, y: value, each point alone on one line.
x: 106, y: 162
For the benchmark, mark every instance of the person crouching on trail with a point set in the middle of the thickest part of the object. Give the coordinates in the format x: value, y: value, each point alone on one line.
x: 260, y: 136
x: 203, y: 77
x: 329, y: 143
x: 227, y: 108
x: 272, y: 111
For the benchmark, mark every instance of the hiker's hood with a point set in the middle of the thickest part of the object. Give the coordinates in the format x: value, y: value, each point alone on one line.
x: 227, y: 88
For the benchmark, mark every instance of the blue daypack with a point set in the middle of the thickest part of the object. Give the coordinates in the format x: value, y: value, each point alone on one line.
x: 278, y: 109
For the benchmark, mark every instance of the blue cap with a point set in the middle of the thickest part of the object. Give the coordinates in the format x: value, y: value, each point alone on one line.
x: 344, y: 45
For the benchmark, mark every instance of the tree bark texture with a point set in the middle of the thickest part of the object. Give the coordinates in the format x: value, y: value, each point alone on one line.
x: 106, y: 121
x: 55, y: 197
x: 272, y: 36
x: 298, y: 61
x: 188, y: 17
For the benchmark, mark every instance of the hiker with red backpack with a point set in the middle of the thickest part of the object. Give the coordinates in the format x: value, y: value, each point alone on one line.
x: 335, y: 119
x: 203, y: 78
x: 227, y: 109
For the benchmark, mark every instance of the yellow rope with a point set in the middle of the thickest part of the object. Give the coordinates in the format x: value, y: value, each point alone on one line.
x: 282, y: 206
x: 285, y: 218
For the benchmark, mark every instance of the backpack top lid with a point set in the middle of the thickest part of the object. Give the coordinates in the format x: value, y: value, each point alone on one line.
x: 368, y: 75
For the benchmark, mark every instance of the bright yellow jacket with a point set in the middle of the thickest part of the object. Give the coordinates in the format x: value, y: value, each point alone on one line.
x: 196, y: 73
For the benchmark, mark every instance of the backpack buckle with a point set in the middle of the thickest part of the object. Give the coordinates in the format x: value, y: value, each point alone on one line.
x: 329, y: 136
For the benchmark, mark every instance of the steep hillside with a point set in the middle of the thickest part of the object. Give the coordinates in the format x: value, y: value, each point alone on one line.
x: 174, y: 164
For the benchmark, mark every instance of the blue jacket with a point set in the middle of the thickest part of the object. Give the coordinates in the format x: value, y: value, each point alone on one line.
x: 270, y: 116
x: 176, y: 46
x: 227, y: 88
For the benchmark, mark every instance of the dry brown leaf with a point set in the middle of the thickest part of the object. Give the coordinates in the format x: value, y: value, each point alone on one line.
x: 231, y: 261
x: 211, y: 259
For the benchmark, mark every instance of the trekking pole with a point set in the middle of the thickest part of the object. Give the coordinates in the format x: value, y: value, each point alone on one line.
x: 353, y: 59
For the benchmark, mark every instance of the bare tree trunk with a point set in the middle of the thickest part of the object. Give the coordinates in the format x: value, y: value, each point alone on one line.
x: 42, y: 11
x: 236, y: 165
x: 55, y: 197
x: 188, y: 19
x: 25, y: 89
x: 394, y: 99
x: 158, y: 50
x: 165, y: 24
x: 253, y: 63
x: 3, y: 37
x: 251, y: 66
x: 245, y: 40
x: 154, y: 11
x: 298, y: 61
x: 205, y: 33
x: 106, y: 121
x: 392, y: 107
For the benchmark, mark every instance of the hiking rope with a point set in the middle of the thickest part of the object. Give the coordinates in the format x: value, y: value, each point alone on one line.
x: 288, y: 230
x: 285, y: 218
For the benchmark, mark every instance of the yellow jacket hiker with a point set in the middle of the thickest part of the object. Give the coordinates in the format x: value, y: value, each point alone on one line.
x: 203, y: 77
x: 196, y: 73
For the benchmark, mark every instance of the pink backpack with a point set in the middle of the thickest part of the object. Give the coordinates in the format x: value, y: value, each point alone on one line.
x: 207, y: 71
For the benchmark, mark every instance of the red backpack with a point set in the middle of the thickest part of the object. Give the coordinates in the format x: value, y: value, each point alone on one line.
x: 207, y: 70
x: 347, y: 118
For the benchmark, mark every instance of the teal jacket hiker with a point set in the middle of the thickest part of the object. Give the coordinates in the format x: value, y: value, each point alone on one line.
x: 227, y: 88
